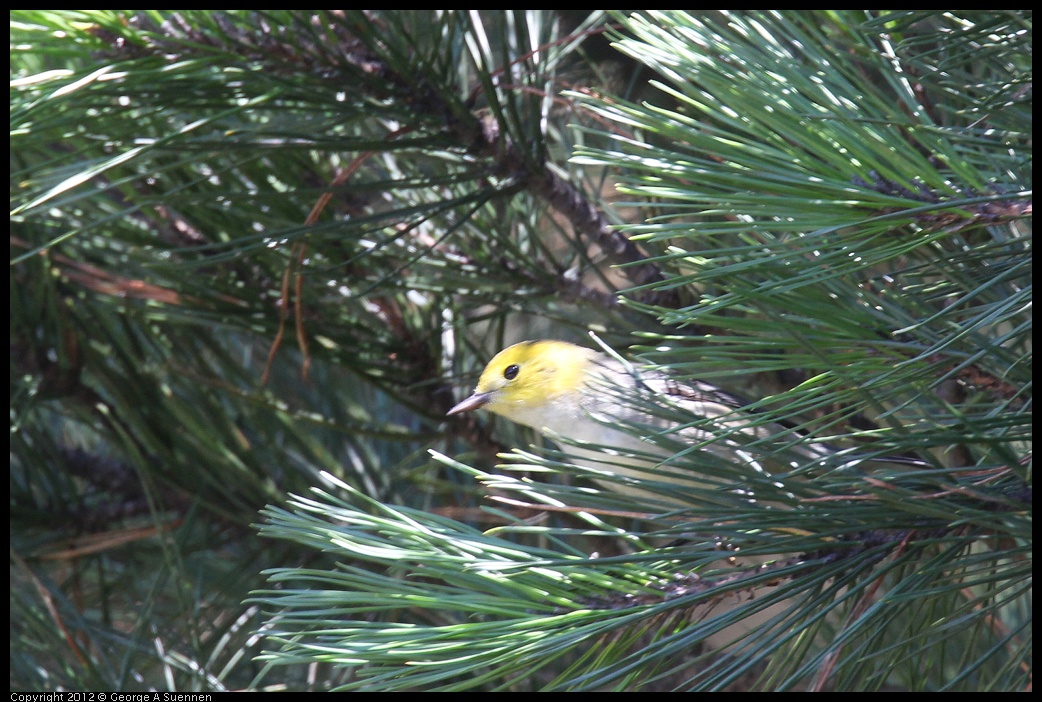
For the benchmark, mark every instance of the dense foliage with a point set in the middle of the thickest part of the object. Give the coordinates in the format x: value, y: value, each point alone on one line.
x: 257, y: 255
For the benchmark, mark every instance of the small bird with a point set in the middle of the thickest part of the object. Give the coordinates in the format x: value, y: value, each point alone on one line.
x: 708, y: 448
x: 604, y: 414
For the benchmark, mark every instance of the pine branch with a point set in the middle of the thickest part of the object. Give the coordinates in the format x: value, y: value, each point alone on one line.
x: 481, y: 136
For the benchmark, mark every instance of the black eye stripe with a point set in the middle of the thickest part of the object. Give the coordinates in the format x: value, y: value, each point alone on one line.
x: 511, y: 371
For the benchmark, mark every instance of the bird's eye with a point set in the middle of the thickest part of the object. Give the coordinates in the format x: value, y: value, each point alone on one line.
x: 511, y: 371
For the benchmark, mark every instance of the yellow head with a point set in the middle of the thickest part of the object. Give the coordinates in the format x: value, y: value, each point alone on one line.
x: 526, y: 381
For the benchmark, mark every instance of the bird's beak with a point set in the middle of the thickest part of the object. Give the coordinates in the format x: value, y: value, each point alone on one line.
x: 475, y: 401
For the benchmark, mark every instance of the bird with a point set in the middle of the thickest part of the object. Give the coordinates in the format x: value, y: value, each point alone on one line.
x: 689, y: 452
x: 617, y: 421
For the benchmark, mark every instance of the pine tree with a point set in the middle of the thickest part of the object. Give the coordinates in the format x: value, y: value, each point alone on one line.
x: 256, y: 256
